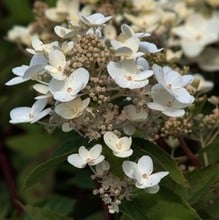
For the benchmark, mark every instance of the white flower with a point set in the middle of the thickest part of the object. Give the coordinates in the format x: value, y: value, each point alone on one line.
x: 146, y: 21
x: 40, y: 47
x: 96, y: 19
x: 57, y: 63
x: 91, y: 157
x: 147, y: 47
x: 67, y: 46
x: 64, y: 32
x: 132, y: 115
x: 130, y: 74
x: 42, y: 89
x: 25, y: 72
x: 203, y: 85
x: 67, y: 90
x: 29, y: 114
x: 209, y: 59
x: 20, y: 34
x: 197, y: 32
x: 64, y: 10
x: 119, y: 146
x: 173, y: 82
x: 141, y: 172
x: 127, y: 44
x: 102, y: 168
x: 72, y: 109
x: 166, y: 103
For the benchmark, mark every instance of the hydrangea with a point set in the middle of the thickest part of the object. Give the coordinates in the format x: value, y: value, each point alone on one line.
x: 30, y: 114
x: 85, y: 157
x: 166, y: 103
x: 174, y: 83
x: 119, y: 146
x: 130, y: 74
x: 141, y: 172
x: 194, y: 37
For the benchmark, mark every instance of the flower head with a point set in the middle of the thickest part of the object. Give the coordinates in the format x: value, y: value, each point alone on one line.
x: 96, y: 19
x: 29, y: 114
x: 165, y: 102
x: 67, y: 90
x: 130, y: 74
x: 57, y: 63
x: 86, y: 157
x: 141, y: 172
x: 173, y: 82
x: 119, y: 146
x: 194, y: 37
x: 72, y: 109
x: 24, y: 73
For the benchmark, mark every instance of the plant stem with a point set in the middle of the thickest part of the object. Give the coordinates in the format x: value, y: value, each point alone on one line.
x: 188, y: 152
x: 107, y: 215
x: 205, y: 156
x: 5, y: 167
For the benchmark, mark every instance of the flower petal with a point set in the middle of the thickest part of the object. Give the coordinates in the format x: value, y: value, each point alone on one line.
x: 110, y: 140
x: 95, y: 151
x: 129, y: 168
x: 75, y: 160
x: 145, y: 165
x: 20, y: 115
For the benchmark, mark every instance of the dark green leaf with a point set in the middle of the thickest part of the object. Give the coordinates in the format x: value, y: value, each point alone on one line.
x: 212, y: 152
x: 201, y: 181
x: 26, y: 145
x: 19, y: 12
x: 36, y: 213
x: 164, y: 205
x: 58, y: 204
x: 162, y: 158
x: 67, y: 148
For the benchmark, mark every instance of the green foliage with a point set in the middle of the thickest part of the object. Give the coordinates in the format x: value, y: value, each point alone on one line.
x: 164, y: 205
x: 59, y: 156
x: 201, y: 181
x: 58, y: 204
x: 36, y: 213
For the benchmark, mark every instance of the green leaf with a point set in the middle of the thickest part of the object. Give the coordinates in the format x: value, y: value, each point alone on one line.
x: 82, y: 180
x: 19, y: 12
x: 162, y: 158
x: 31, y: 144
x: 212, y: 152
x: 201, y: 181
x: 58, y: 204
x: 36, y: 213
x: 164, y: 205
x: 67, y: 148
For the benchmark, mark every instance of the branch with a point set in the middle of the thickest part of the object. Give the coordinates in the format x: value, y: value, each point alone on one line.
x: 5, y: 167
x: 188, y: 152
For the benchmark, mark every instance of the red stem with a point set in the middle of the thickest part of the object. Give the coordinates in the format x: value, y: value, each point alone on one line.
x: 107, y: 215
x: 5, y: 167
x: 188, y: 152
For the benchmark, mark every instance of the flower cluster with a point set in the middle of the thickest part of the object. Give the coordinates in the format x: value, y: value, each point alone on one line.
x: 102, y: 87
x: 113, y: 190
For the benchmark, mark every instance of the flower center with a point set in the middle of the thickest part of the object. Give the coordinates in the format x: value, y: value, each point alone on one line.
x: 145, y: 176
x: 31, y: 115
x: 119, y: 146
x: 69, y: 89
x: 60, y: 69
x: 169, y: 104
x: 90, y: 160
x: 129, y: 77
x: 169, y: 86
